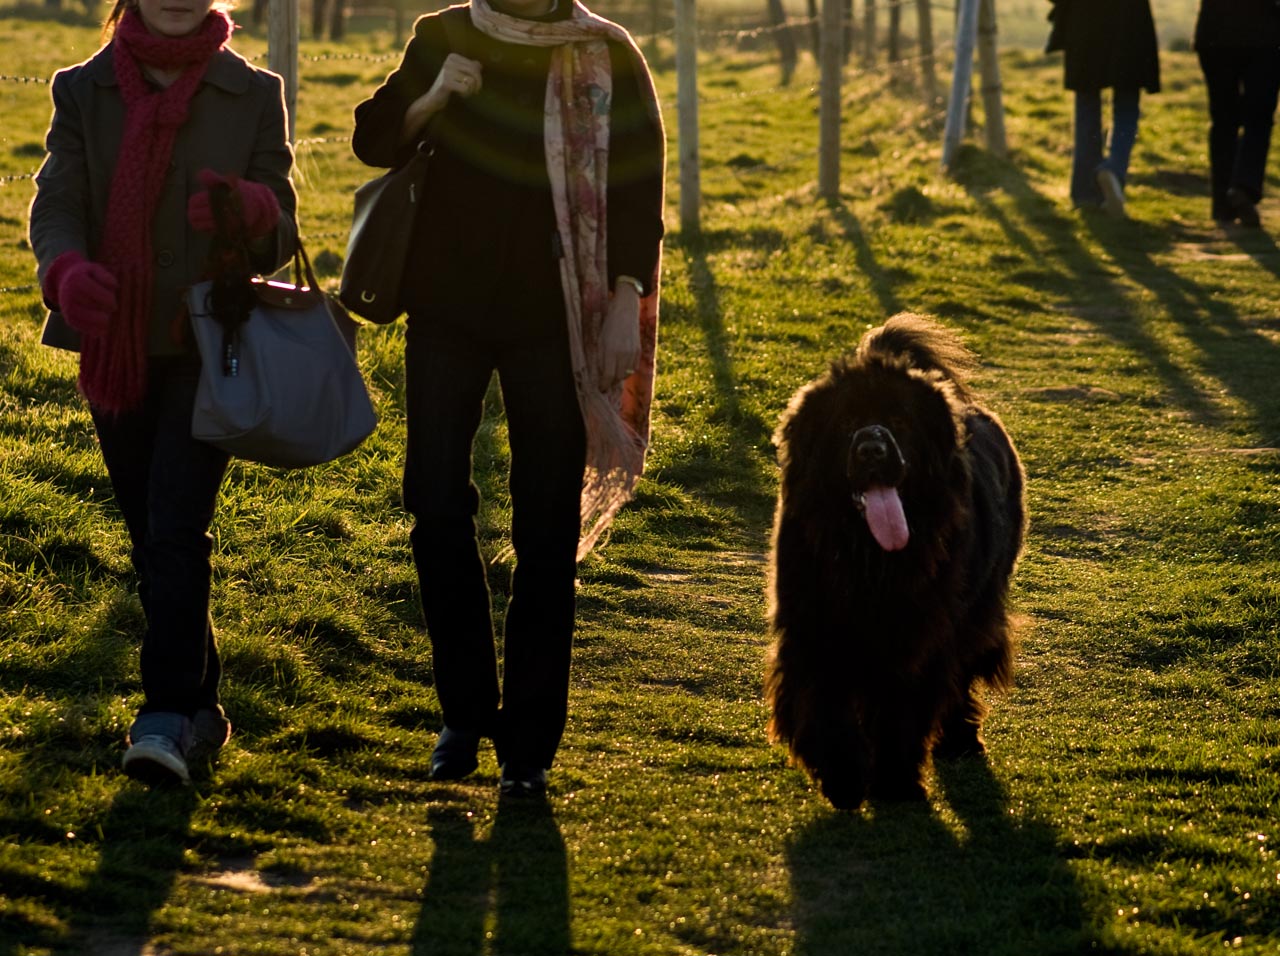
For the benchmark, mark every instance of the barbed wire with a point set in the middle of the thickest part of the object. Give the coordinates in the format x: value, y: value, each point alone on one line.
x: 17, y: 177
x: 24, y: 79
x: 20, y: 290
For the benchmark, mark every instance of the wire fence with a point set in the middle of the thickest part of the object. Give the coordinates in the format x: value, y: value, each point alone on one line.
x: 709, y: 104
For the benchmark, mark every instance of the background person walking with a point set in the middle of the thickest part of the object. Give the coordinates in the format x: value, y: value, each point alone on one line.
x: 1107, y: 44
x: 121, y: 225
x: 1238, y: 43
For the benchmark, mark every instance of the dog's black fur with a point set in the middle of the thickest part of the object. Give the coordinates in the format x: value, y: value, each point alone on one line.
x: 879, y: 648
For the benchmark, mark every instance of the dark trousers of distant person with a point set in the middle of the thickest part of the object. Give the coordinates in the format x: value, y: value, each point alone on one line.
x: 448, y: 367
x: 166, y: 485
x: 1243, y: 85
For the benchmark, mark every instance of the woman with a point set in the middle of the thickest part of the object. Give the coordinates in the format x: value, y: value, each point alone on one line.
x: 1238, y: 43
x: 535, y: 256
x: 1107, y: 44
x: 121, y: 225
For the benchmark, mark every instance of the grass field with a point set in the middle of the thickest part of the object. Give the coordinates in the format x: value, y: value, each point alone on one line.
x: 1131, y: 799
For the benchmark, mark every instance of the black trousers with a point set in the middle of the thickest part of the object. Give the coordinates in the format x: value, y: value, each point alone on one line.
x: 1242, y: 84
x: 447, y: 372
x: 166, y: 484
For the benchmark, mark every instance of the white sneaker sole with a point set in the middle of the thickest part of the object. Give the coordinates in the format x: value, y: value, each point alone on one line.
x: 154, y: 766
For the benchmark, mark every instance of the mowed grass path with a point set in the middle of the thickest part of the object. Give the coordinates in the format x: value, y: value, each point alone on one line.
x: 1130, y: 802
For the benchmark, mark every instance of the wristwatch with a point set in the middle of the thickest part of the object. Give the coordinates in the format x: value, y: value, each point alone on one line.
x: 631, y: 281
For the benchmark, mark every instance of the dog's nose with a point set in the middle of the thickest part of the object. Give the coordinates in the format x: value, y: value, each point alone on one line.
x: 871, y: 444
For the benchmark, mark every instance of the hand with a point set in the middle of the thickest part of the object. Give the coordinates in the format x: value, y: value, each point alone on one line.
x: 620, y: 337
x: 84, y: 292
x: 254, y: 208
x: 457, y: 75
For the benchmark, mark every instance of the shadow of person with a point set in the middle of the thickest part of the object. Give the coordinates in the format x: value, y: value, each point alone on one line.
x: 531, y: 881
x: 144, y: 837
x: 519, y: 874
x: 909, y: 878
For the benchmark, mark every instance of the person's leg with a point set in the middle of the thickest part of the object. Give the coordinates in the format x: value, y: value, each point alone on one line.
x: 1086, y: 151
x: 1260, y: 82
x: 166, y: 484
x: 548, y: 453
x: 446, y: 377
x: 1222, y: 85
x: 1124, y: 131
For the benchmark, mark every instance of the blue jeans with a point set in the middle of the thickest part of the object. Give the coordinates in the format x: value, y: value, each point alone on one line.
x: 166, y: 484
x: 447, y: 372
x: 1087, y: 155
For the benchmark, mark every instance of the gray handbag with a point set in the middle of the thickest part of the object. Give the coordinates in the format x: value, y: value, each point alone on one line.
x: 279, y: 383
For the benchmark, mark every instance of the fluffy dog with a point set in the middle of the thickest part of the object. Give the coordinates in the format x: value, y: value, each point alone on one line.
x: 900, y: 518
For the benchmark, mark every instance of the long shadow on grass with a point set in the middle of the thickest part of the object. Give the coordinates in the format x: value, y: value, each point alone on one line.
x: 144, y: 836
x: 902, y: 879
x: 1235, y: 352
x: 868, y: 265
x: 520, y: 872
x: 1066, y: 267
x: 732, y: 481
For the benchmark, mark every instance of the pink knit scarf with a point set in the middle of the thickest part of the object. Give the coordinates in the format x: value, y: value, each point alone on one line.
x: 577, y: 148
x: 113, y: 368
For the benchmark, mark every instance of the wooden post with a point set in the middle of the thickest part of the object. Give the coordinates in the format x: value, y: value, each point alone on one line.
x: 832, y: 63
x: 961, y: 79
x: 782, y: 35
x: 282, y: 52
x: 869, y: 33
x: 895, y: 30
x: 687, y: 110
x: 989, y: 63
x: 928, y: 76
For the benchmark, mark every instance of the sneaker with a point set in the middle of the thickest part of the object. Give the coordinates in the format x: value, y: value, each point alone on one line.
x: 522, y: 781
x: 156, y: 759
x: 1112, y: 192
x: 210, y: 730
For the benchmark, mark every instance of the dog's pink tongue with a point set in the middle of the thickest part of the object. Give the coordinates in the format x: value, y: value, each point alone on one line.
x: 884, y: 515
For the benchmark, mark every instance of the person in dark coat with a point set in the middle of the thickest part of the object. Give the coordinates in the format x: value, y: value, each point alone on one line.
x: 1238, y: 42
x: 120, y: 227
x: 536, y: 257
x: 1107, y: 44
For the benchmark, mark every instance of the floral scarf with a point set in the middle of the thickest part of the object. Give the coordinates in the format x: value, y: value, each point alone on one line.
x: 579, y: 93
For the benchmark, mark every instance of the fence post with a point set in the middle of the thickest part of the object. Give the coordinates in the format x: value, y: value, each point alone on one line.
x: 282, y: 52
x: 989, y: 63
x: 924, y: 26
x: 829, y: 102
x: 687, y: 110
x: 961, y: 79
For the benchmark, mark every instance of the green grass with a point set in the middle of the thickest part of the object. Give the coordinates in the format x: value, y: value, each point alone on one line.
x: 1130, y: 802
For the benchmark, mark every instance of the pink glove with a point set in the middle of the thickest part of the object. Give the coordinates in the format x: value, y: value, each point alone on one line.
x: 254, y: 207
x: 84, y: 292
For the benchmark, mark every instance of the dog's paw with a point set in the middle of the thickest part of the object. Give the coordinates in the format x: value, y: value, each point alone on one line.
x: 844, y: 791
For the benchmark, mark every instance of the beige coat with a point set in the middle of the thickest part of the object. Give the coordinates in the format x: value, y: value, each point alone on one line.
x: 236, y: 126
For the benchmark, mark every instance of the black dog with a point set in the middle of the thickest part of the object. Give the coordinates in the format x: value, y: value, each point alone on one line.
x: 900, y: 518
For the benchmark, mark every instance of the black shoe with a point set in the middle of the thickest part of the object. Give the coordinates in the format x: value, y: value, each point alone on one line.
x: 1243, y: 208
x: 454, y: 755
x: 522, y: 781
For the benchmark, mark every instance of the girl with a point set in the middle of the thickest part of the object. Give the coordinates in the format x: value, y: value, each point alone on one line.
x: 121, y: 225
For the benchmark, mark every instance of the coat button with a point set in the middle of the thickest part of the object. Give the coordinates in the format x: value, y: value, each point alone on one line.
x: 164, y: 259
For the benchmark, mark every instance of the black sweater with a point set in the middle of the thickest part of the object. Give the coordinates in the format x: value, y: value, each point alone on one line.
x: 485, y: 249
